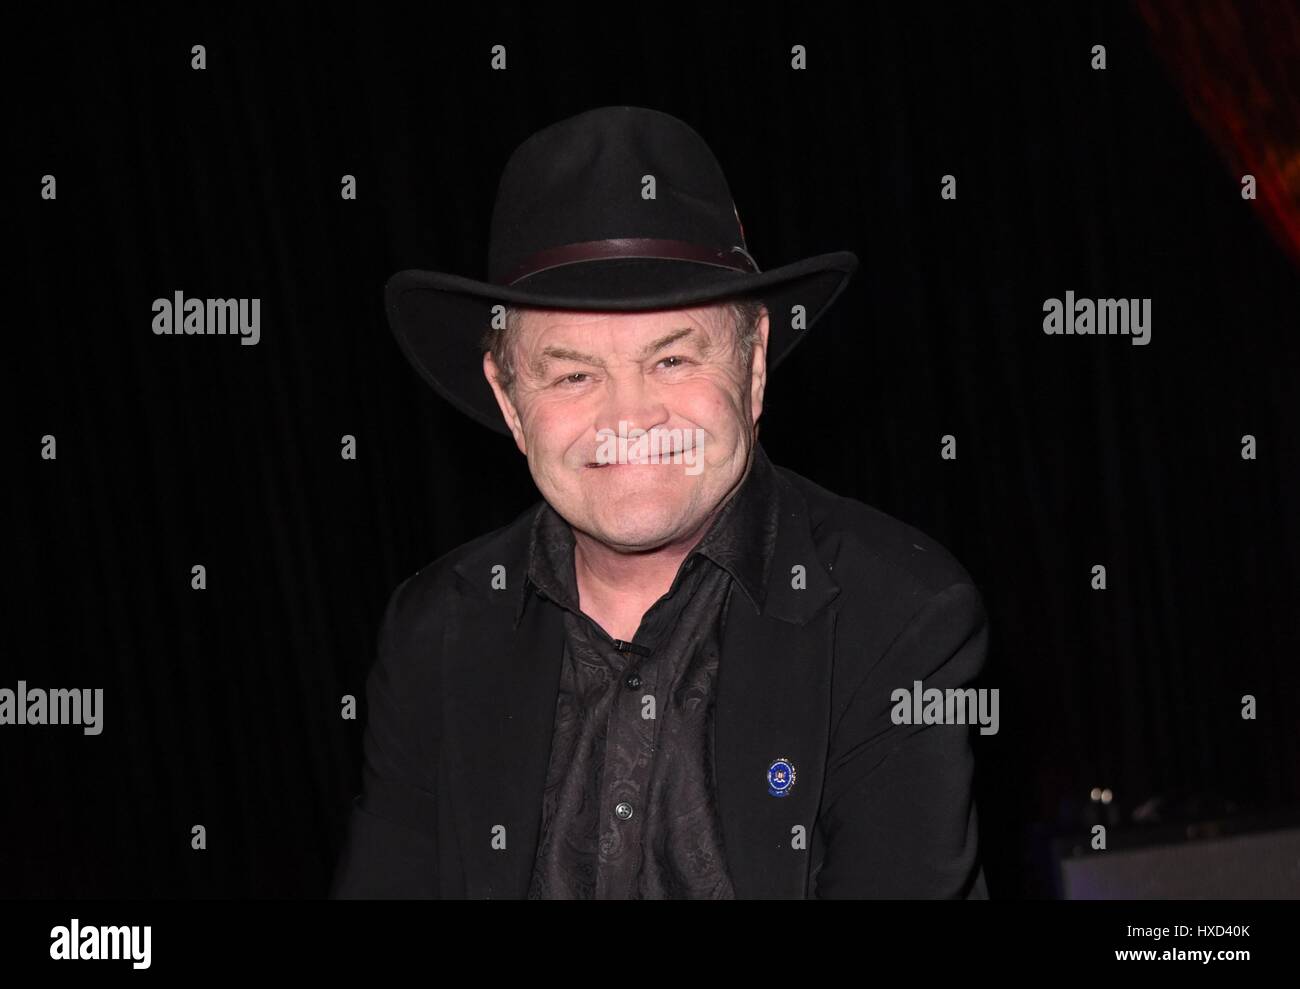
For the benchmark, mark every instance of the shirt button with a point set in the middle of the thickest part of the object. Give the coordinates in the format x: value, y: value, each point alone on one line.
x: 623, y: 810
x: 632, y: 680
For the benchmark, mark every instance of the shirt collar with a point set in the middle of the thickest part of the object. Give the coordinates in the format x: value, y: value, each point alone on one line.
x: 741, y: 541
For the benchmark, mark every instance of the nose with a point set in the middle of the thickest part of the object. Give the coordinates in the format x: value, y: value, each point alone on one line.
x: 631, y: 401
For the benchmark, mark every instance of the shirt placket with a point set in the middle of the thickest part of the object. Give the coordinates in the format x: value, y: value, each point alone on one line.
x: 623, y: 798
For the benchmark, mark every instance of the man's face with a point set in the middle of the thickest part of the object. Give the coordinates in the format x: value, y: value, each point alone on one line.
x: 583, y: 378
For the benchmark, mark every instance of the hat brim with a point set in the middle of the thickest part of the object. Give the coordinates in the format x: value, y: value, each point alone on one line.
x: 439, y: 319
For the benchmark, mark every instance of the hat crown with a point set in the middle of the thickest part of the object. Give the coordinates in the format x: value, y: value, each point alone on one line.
x: 610, y: 173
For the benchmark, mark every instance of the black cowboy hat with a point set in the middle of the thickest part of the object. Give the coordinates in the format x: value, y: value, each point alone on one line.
x: 616, y: 209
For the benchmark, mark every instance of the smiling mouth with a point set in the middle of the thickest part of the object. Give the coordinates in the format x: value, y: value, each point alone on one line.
x: 673, y: 457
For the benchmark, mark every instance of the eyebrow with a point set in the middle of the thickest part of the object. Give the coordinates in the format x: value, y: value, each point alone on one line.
x: 549, y: 354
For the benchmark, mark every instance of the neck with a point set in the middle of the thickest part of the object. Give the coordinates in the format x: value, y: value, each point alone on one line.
x: 617, y: 588
x: 606, y: 575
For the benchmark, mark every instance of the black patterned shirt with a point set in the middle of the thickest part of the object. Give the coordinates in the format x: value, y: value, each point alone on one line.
x: 629, y: 808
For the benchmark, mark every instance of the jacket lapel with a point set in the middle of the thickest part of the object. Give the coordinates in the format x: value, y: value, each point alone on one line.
x: 500, y: 687
x: 773, y: 702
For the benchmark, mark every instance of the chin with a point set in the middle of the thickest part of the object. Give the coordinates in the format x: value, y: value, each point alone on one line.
x: 629, y: 483
x: 651, y: 527
x: 636, y: 540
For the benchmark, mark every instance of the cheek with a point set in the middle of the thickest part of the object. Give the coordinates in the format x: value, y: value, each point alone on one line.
x: 711, y: 403
x: 555, y: 427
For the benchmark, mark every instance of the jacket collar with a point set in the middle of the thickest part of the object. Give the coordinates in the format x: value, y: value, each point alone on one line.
x: 789, y: 583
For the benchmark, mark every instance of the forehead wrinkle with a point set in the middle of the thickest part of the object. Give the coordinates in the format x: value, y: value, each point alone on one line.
x: 551, y: 353
x: 666, y: 339
x: 542, y: 359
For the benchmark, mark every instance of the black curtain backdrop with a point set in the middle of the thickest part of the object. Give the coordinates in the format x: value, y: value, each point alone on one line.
x: 222, y: 706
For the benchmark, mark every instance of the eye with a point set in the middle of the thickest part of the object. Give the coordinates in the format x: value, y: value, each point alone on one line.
x: 681, y: 361
x: 572, y: 379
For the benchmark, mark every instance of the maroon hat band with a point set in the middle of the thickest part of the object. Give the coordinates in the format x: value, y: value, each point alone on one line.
x: 735, y: 258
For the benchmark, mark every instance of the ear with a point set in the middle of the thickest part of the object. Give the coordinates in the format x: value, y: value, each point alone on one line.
x: 508, y: 410
x: 758, y: 370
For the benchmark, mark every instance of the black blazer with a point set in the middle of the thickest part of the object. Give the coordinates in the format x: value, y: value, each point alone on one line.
x: 461, y: 703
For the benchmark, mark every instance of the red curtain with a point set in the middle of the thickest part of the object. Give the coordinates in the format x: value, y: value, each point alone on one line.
x: 1238, y: 66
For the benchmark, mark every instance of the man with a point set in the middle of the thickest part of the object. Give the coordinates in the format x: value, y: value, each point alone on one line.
x: 673, y: 677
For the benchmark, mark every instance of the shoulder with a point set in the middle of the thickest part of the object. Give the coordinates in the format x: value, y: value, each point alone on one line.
x: 906, y: 607
x: 458, y: 577
x: 887, y: 569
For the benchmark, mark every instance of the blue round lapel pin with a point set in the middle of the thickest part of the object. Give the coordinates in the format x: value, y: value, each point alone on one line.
x: 780, y: 777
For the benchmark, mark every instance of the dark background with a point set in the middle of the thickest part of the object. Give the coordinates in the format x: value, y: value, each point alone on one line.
x: 222, y: 706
